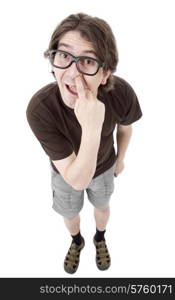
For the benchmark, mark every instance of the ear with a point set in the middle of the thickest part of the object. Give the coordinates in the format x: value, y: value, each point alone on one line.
x: 106, y: 75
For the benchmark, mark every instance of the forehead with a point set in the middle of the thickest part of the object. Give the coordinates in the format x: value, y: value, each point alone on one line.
x: 75, y: 41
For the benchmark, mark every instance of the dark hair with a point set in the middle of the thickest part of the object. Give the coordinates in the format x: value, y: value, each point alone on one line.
x: 94, y: 30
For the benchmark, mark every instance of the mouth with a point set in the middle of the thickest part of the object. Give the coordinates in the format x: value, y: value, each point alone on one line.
x: 71, y: 90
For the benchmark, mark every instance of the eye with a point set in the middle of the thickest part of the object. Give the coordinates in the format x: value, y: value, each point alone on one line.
x: 63, y: 55
x: 88, y: 61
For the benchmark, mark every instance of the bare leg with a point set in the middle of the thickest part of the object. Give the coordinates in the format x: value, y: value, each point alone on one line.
x: 73, y: 225
x: 71, y: 261
x: 101, y: 218
x: 103, y: 260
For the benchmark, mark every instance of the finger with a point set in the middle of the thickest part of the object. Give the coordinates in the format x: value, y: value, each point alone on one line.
x: 86, y: 87
x: 80, y: 86
x: 91, y: 94
x: 88, y: 90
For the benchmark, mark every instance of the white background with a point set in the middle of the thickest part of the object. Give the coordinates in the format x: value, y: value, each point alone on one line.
x: 140, y: 233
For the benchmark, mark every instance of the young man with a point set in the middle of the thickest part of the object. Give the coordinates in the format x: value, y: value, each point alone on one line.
x: 74, y: 119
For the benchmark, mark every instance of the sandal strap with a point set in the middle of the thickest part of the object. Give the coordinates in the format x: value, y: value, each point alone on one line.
x: 71, y: 261
x: 102, y: 255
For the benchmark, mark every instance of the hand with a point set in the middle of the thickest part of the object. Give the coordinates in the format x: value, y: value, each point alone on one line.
x: 119, y: 167
x: 89, y: 111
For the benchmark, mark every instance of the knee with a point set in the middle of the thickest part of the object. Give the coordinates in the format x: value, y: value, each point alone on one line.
x: 72, y: 221
x: 102, y: 211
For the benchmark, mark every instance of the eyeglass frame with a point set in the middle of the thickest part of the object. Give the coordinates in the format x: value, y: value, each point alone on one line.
x: 75, y: 59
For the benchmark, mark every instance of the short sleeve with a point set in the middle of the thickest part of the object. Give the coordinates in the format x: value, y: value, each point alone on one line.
x: 132, y: 111
x: 54, y: 143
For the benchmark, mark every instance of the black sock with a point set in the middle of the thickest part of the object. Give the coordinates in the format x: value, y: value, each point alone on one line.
x: 77, y: 239
x: 99, y: 236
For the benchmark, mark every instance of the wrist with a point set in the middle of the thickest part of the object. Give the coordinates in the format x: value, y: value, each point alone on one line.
x: 120, y: 157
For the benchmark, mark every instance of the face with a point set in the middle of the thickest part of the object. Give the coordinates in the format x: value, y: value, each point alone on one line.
x: 73, y: 43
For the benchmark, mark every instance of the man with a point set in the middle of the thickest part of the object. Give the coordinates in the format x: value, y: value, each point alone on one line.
x: 74, y: 119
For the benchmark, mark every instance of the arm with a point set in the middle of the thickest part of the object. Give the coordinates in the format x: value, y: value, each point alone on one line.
x: 79, y: 170
x: 82, y: 169
x: 90, y: 112
x: 123, y: 137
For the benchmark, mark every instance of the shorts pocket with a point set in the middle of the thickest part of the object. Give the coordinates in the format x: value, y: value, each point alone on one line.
x: 109, y: 188
x: 62, y: 192
x: 108, y: 180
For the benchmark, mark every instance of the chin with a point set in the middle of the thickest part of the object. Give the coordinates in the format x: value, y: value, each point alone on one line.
x: 69, y: 101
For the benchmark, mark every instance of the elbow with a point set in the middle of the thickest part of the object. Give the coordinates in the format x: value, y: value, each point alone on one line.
x: 79, y: 187
x: 75, y: 185
x: 79, y: 184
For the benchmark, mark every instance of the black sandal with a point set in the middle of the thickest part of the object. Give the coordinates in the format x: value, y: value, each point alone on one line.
x: 103, y: 259
x: 72, y: 258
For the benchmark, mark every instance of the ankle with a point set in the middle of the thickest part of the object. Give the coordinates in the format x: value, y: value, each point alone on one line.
x: 99, y: 236
x: 77, y: 239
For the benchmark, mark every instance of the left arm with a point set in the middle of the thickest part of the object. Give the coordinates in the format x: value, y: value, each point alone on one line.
x: 124, y: 133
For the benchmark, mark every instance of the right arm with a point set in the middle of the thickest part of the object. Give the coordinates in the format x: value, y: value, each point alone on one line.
x: 79, y: 170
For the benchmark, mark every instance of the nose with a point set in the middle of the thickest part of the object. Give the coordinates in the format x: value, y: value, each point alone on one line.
x: 72, y: 70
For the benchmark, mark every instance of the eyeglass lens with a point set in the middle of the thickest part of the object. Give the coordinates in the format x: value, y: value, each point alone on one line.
x: 84, y: 64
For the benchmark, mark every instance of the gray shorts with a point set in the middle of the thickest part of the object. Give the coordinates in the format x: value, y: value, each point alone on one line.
x: 68, y: 202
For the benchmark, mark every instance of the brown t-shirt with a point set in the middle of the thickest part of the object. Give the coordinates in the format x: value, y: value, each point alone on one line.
x: 57, y: 129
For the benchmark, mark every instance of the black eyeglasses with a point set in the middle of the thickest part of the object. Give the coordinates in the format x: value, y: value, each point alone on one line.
x: 85, y: 65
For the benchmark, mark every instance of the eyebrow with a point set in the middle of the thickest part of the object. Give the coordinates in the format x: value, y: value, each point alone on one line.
x: 69, y: 47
